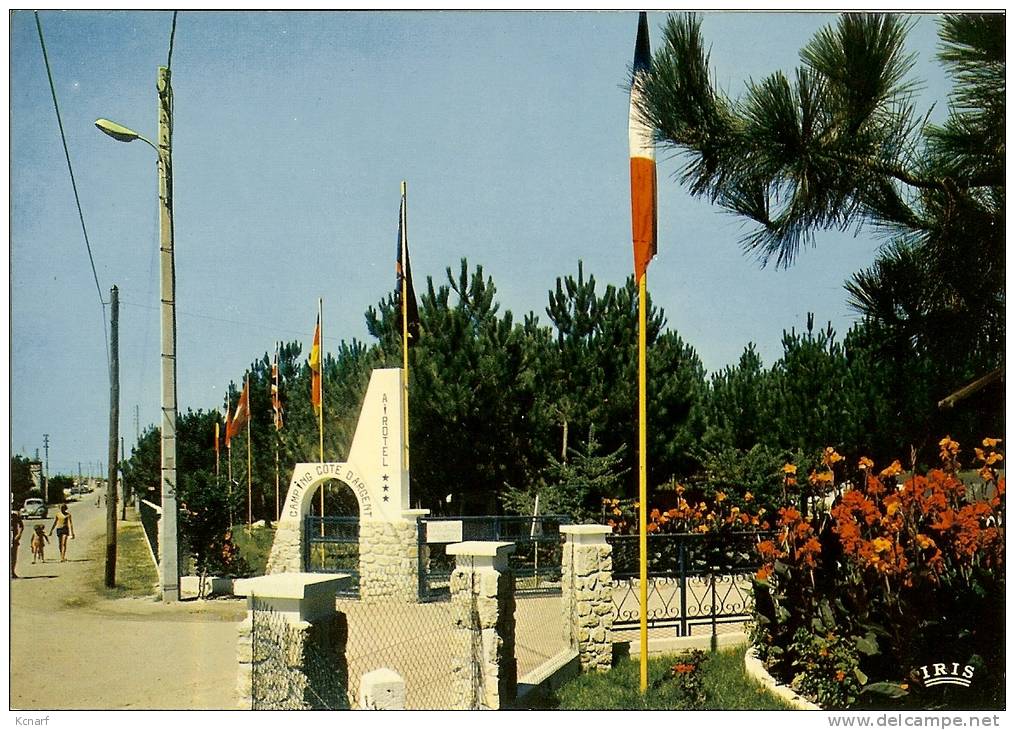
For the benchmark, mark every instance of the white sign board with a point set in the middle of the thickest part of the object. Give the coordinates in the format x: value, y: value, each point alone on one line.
x: 444, y: 531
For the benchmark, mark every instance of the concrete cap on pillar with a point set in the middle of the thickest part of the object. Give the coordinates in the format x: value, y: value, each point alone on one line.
x: 586, y: 534
x: 481, y: 553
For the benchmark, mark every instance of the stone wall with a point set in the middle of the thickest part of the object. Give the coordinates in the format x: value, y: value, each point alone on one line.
x: 287, y: 549
x: 388, y: 561
x: 291, y: 665
x: 587, y: 600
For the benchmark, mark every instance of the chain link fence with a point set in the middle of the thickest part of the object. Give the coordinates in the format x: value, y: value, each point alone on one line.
x: 415, y: 640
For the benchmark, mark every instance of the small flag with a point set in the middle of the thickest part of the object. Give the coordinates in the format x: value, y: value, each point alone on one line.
x: 315, y: 369
x: 242, y: 414
x: 276, y: 392
x: 404, y: 270
x: 229, y: 425
x: 643, y: 159
x: 217, y: 437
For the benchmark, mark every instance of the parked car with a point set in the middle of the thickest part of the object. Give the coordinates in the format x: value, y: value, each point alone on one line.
x: 34, y: 508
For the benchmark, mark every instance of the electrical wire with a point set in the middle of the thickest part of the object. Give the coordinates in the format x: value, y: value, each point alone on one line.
x: 73, y: 183
x: 172, y: 37
x: 241, y: 323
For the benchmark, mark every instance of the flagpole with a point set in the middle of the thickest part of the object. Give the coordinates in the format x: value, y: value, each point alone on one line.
x: 229, y: 460
x: 216, y: 450
x: 644, y: 236
x: 320, y: 412
x: 250, y: 487
x: 276, y: 403
x: 405, y: 335
x: 643, y: 480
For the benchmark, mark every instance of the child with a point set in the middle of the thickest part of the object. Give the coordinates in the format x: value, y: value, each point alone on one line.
x: 39, y: 541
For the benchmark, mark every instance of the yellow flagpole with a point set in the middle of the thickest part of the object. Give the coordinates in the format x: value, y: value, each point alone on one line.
x: 643, y: 479
x: 405, y: 334
x: 320, y: 414
x: 229, y: 464
x: 250, y: 483
x: 277, y: 382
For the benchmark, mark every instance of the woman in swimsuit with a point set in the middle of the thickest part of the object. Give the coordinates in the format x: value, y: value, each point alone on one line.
x: 64, y: 525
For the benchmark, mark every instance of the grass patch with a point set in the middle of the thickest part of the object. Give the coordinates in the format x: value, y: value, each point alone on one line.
x: 254, y: 546
x: 136, y: 576
x: 726, y: 687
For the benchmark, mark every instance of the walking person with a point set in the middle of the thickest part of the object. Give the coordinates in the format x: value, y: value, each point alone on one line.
x: 39, y: 541
x: 63, y: 523
x: 17, y: 527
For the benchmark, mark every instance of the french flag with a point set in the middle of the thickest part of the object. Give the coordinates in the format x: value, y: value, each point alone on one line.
x: 643, y: 159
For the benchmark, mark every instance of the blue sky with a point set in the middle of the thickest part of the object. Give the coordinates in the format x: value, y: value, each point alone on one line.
x: 293, y: 131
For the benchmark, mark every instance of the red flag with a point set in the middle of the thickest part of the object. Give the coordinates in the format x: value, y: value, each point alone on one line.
x: 242, y: 414
x: 315, y: 369
x: 229, y: 425
x: 643, y: 159
x: 276, y: 393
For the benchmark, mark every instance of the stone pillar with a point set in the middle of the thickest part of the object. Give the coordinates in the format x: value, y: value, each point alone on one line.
x: 388, y: 561
x: 484, y: 672
x: 587, y: 593
x: 291, y: 646
x: 382, y: 689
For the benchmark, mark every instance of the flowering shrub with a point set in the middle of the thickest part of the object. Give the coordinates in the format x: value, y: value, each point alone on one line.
x: 718, y: 514
x: 688, y: 677
x: 852, y: 601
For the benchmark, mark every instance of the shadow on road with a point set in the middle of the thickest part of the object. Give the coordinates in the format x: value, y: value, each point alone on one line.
x: 35, y: 577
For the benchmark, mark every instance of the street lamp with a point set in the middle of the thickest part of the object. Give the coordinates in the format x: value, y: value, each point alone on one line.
x: 169, y: 572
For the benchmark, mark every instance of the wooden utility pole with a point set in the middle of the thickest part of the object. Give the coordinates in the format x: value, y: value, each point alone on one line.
x: 45, y: 481
x: 114, y: 436
x: 123, y: 483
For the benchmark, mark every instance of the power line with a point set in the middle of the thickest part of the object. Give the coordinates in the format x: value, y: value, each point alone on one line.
x: 240, y: 323
x: 172, y: 37
x: 70, y: 169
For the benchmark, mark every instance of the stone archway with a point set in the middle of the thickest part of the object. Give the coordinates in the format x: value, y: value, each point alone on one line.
x: 388, y: 548
x: 377, y: 472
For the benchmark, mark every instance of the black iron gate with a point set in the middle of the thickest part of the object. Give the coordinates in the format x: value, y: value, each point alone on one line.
x: 694, y: 580
x: 332, y: 546
x: 535, y: 561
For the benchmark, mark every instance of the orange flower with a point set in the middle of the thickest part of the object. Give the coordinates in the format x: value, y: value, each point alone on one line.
x: 789, y: 469
x: 720, y: 496
x: 892, y: 470
x: 684, y: 668
x: 763, y: 574
x: 748, y: 496
x: 991, y: 442
x: 830, y: 457
x: 865, y: 463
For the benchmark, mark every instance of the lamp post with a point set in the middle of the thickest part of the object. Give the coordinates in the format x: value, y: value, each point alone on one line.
x: 169, y: 573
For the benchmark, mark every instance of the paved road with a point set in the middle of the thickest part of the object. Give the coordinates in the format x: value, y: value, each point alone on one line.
x: 72, y: 650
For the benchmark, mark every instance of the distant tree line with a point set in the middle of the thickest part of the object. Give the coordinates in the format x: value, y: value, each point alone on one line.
x: 503, y: 410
